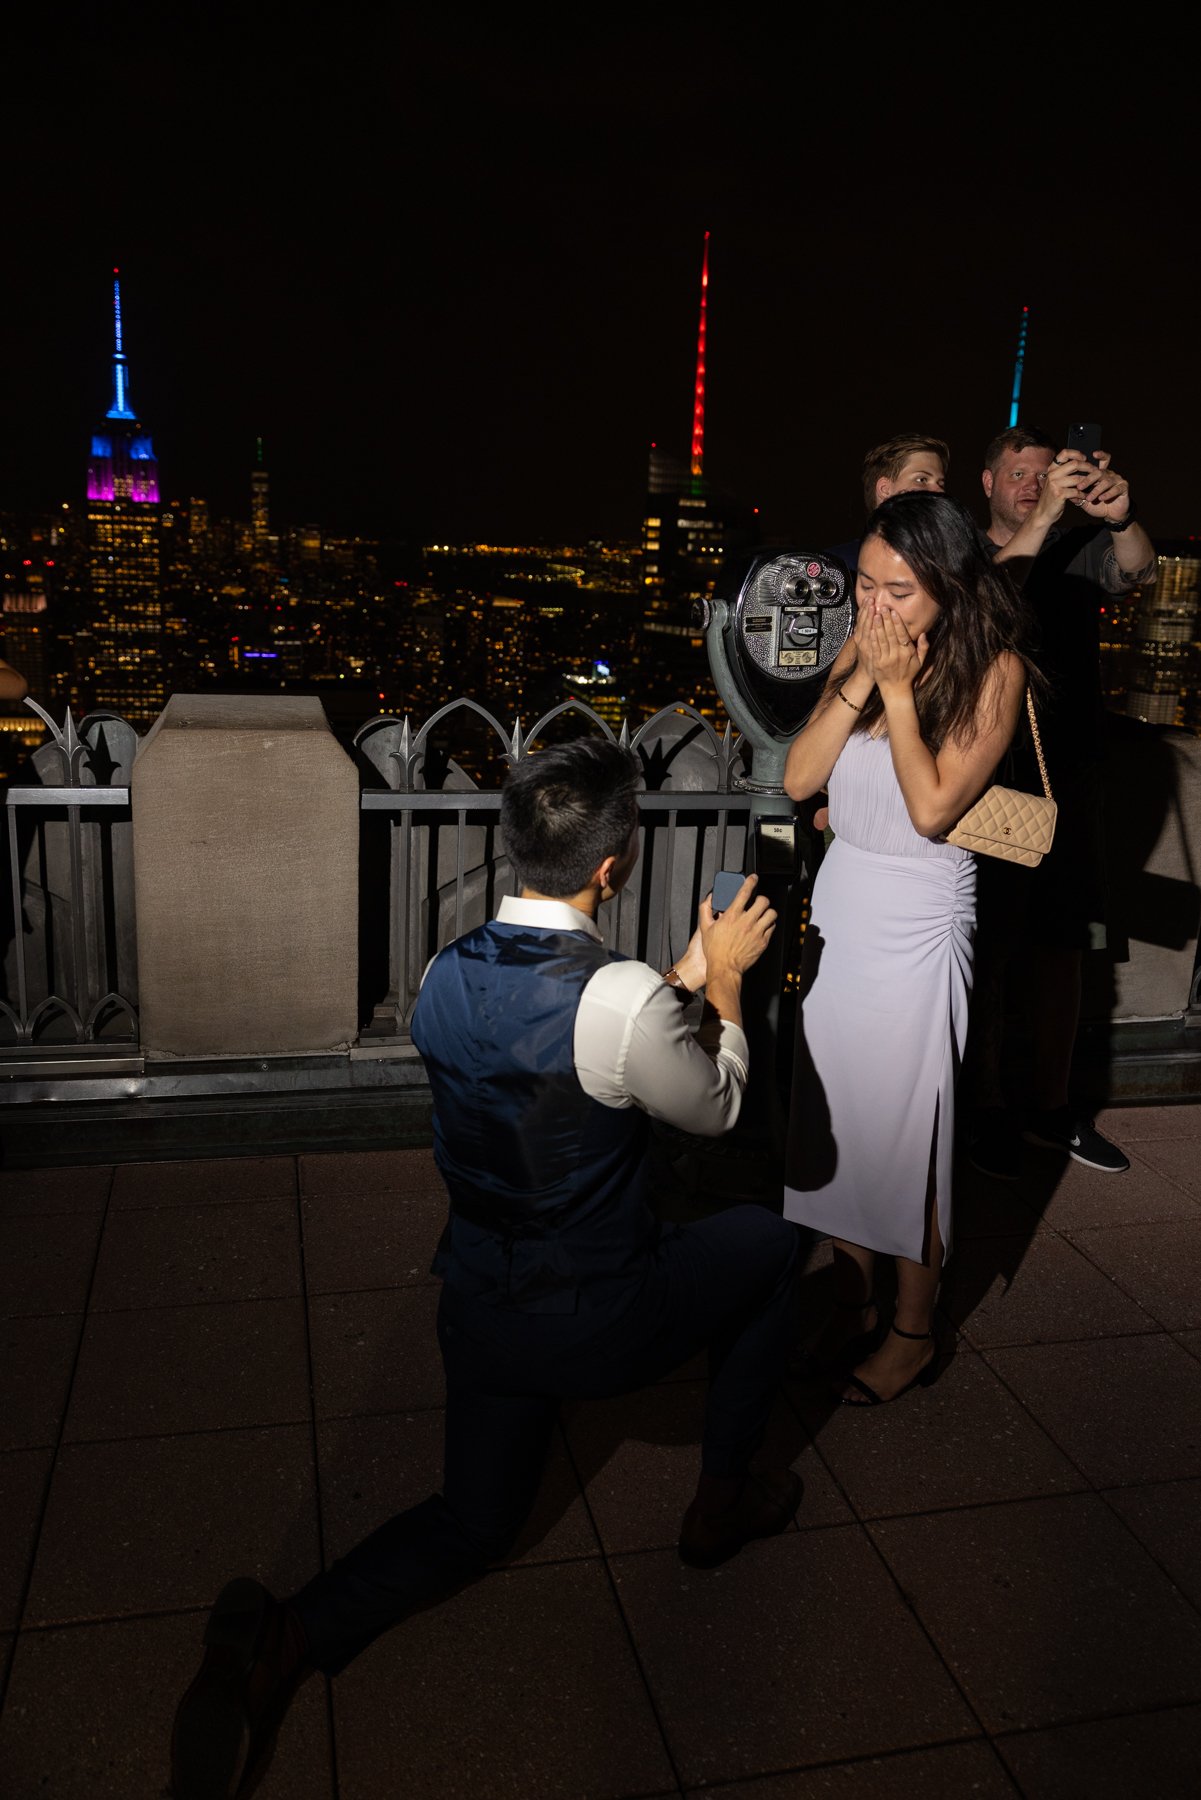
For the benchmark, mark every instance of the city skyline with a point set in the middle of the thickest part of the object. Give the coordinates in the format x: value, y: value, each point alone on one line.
x: 450, y: 278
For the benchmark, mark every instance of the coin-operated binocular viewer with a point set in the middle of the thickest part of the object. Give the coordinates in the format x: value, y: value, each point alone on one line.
x: 772, y: 630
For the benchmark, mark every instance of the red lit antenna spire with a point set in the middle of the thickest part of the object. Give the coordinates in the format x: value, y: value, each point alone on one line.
x: 698, y: 399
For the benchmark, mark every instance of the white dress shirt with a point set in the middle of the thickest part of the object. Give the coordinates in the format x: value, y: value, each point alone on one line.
x: 632, y: 1044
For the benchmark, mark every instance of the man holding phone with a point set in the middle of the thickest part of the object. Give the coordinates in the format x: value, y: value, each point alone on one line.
x: 547, y: 1055
x: 1042, y: 921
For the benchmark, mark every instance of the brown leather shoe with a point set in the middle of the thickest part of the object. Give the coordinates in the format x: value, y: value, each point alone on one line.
x: 226, y: 1723
x: 766, y: 1505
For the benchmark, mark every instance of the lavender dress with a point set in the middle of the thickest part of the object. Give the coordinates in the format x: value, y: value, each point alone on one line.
x: 888, y: 953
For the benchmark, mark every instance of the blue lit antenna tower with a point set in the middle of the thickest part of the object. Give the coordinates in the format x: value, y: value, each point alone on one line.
x: 1017, y: 367
x: 119, y: 648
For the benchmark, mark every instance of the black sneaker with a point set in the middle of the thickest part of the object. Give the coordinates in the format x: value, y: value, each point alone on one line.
x: 1062, y: 1130
x: 993, y: 1146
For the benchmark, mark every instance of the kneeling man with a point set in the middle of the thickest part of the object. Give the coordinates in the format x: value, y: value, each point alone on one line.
x: 547, y: 1057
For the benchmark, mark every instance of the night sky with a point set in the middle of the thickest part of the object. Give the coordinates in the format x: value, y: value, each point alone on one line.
x: 450, y: 270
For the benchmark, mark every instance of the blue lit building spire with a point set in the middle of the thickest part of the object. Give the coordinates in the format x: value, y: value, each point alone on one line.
x: 122, y: 465
x: 120, y: 408
x: 1018, y: 366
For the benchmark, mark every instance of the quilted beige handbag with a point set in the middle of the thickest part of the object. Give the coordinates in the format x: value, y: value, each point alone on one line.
x: 1006, y: 822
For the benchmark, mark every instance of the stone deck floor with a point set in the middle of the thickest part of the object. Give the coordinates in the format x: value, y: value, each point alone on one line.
x: 226, y: 1367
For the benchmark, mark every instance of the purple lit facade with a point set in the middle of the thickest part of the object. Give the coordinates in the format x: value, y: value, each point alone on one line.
x: 122, y: 466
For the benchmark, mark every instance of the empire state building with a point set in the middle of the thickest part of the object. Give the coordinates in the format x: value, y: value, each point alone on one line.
x: 122, y: 653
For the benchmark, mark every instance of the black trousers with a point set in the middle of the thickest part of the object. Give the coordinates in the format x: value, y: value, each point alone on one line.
x: 727, y: 1283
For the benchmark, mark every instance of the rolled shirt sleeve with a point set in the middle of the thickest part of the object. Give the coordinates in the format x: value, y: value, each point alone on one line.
x: 634, y: 1047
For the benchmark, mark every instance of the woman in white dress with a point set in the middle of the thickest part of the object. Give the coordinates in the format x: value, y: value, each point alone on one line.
x: 919, y: 708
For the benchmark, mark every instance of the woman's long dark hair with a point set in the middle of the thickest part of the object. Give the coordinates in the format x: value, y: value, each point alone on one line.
x: 981, y: 612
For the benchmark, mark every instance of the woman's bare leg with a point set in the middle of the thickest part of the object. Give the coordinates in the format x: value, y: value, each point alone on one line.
x: 899, y: 1359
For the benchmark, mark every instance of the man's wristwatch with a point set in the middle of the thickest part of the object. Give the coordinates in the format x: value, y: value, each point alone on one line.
x: 1121, y: 524
x: 675, y: 980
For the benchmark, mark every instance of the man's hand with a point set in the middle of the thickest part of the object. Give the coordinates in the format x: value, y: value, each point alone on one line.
x: 735, y: 941
x: 1062, y: 482
x: 1106, y: 495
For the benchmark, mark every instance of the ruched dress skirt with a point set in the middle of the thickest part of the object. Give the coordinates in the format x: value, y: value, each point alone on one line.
x: 886, y: 979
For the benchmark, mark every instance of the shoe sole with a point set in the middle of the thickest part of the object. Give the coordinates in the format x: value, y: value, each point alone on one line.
x: 733, y: 1544
x: 210, y: 1742
x: 1043, y: 1143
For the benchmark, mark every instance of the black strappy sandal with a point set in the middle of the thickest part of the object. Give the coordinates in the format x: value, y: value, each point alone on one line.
x: 925, y: 1376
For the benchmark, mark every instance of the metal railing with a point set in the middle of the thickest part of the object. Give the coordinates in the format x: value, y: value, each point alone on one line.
x: 439, y: 890
x: 71, y: 955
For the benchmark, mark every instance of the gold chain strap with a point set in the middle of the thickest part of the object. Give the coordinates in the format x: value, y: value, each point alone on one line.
x: 1038, y: 745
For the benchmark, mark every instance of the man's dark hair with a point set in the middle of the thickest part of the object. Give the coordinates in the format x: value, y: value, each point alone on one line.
x: 563, y: 810
x: 890, y: 458
x: 1017, y: 437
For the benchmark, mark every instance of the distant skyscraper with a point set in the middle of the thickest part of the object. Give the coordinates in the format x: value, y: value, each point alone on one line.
x: 260, y: 527
x: 687, y: 530
x: 1163, y: 671
x: 122, y: 646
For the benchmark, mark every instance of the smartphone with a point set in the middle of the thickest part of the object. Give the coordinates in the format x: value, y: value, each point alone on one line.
x: 725, y: 886
x: 1086, y: 439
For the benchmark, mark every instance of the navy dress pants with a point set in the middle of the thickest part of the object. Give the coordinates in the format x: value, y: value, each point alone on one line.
x: 726, y: 1283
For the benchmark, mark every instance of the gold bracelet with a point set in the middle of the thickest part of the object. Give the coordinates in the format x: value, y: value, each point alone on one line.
x: 849, y: 703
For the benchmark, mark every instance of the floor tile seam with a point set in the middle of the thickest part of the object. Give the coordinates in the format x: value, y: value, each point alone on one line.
x: 144, y: 1616
x: 1165, y: 1175
x: 192, y: 1204
x: 1088, y: 1492
x: 245, y: 1202
x: 1194, y: 1606
x: 43, y: 1506
x: 141, y: 1437
x: 1165, y: 1137
x: 945, y: 1508
x: 1089, y: 1484
x: 12, y: 1318
x: 181, y: 1306
x: 813, y: 1442
x: 626, y: 1624
x: 1150, y: 1711
x: 1153, y: 1481
x: 1072, y: 1233
x: 1153, y: 1329
x: 33, y: 1215
x: 434, y: 1189
x: 911, y: 1608
x: 315, y: 1455
x: 167, y: 1437
x: 858, y: 1759
x: 1113, y: 1280
x: 394, y: 1287
x: 375, y: 1190
x: 335, y: 1418
x: 397, y: 1287
x: 1047, y: 1227
x: 783, y: 1537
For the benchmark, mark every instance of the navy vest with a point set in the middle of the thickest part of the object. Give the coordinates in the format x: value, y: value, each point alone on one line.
x: 548, y: 1189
